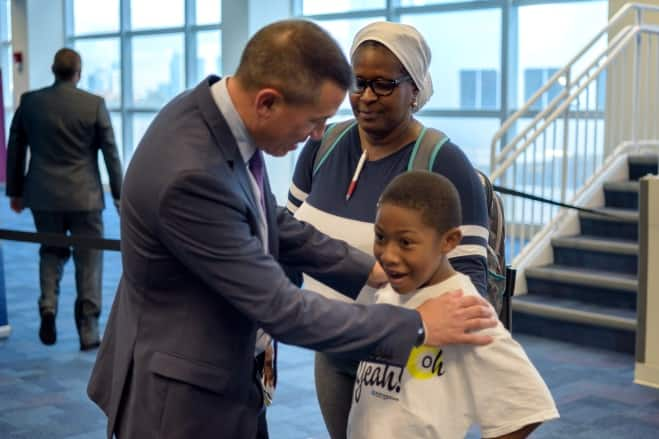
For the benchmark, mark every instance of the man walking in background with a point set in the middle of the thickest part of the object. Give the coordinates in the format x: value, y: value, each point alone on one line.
x: 64, y: 127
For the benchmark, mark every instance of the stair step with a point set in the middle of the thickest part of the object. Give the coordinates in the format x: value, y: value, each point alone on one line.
x: 559, y: 282
x: 573, y: 311
x: 613, y: 214
x: 621, y: 223
x: 584, y: 277
x: 621, y: 194
x: 641, y: 165
x: 623, y: 186
x: 571, y: 321
x: 618, y: 256
x: 643, y: 159
x: 621, y: 246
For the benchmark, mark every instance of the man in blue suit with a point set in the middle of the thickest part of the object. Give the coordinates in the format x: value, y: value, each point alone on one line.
x: 202, y: 240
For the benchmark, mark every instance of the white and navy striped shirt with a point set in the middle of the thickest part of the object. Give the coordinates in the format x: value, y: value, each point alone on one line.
x: 320, y: 200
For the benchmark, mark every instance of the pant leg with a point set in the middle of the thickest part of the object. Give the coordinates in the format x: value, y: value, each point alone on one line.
x: 88, y: 266
x: 334, y: 382
x: 51, y: 259
x: 262, y: 427
x: 262, y: 423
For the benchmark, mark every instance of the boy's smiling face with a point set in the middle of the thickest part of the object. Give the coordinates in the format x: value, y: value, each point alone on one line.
x: 412, y: 253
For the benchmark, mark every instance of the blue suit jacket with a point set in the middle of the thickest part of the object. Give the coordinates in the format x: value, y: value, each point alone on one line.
x: 176, y: 359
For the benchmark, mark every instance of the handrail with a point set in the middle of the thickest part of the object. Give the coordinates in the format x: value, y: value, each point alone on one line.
x: 636, y: 31
x: 552, y: 104
x: 638, y: 8
x: 558, y: 112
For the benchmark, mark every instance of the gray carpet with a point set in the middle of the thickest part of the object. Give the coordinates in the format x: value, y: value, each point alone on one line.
x: 42, y: 389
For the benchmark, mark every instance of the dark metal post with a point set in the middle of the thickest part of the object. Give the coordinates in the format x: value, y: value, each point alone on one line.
x: 507, y: 308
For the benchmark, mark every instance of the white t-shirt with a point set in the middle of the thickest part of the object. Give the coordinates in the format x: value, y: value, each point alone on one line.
x: 441, y: 392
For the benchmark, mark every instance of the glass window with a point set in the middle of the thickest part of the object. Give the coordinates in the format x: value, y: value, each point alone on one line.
x: 580, y: 23
x: 457, y: 48
x: 6, y: 71
x: 115, y: 117
x: 5, y: 24
x: 117, y: 127
x: 157, y: 69
x: 208, y: 11
x: 6, y: 58
x: 280, y: 171
x: 479, y: 89
x: 95, y: 17
x: 312, y: 7
x: 427, y: 2
x: 9, y: 115
x: 472, y: 135
x: 209, y: 54
x: 149, y: 14
x: 468, y: 89
x: 343, y: 32
x: 100, y: 68
x: 141, y: 122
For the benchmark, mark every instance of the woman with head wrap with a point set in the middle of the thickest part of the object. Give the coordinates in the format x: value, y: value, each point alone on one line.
x: 392, y: 81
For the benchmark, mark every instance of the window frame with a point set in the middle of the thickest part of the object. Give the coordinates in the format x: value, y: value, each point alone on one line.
x: 125, y: 34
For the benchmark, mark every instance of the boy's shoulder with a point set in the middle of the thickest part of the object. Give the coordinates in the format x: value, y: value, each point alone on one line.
x: 411, y: 300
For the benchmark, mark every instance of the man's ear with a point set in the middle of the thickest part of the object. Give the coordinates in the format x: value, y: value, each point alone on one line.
x: 451, y: 239
x: 266, y: 101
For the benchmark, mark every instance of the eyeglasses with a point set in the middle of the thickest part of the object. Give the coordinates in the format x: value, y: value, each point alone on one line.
x: 381, y: 87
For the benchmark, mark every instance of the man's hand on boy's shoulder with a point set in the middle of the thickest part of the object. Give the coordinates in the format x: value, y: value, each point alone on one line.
x: 453, y: 318
x: 377, y: 278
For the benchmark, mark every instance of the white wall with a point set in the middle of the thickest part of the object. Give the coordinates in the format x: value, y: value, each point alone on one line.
x: 619, y: 122
x: 45, y: 21
x: 241, y: 19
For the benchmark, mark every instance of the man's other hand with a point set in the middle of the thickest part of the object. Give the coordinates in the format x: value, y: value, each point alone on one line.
x: 454, y: 318
x: 377, y: 278
x: 16, y: 204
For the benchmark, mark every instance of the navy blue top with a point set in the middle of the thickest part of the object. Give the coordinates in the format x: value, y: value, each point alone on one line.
x: 326, y: 191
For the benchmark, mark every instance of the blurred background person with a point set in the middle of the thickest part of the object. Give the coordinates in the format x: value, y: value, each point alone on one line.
x: 64, y: 128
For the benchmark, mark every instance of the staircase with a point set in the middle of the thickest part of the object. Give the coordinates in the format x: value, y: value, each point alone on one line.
x: 588, y: 294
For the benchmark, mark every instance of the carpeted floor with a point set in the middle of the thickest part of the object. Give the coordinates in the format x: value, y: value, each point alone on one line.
x: 42, y: 389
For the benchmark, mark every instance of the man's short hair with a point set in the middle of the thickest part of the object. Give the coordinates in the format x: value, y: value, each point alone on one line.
x: 295, y: 57
x: 66, y: 64
x: 433, y: 195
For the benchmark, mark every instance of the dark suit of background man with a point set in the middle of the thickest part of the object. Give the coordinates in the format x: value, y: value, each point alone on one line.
x: 201, y: 246
x: 64, y: 128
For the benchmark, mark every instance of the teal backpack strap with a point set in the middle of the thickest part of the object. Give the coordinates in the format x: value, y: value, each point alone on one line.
x: 426, y: 148
x: 332, y: 136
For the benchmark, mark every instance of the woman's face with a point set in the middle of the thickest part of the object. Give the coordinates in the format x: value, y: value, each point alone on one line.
x: 380, y: 115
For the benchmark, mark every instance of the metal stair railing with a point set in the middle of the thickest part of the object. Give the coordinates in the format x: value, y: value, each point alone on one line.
x: 565, y: 144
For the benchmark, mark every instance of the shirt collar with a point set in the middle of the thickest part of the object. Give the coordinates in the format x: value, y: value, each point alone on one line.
x: 222, y: 99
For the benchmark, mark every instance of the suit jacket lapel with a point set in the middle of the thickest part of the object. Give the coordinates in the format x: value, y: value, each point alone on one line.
x: 224, y: 139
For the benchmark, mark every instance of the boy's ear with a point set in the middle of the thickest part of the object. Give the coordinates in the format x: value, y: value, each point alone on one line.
x: 451, y: 239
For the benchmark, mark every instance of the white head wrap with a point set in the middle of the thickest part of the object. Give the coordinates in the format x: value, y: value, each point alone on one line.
x: 408, y: 45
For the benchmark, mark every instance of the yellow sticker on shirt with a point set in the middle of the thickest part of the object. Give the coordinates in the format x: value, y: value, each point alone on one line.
x: 425, y: 362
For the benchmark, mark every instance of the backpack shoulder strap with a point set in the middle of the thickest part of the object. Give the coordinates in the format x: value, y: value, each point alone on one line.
x: 487, y: 186
x: 332, y: 136
x: 426, y: 148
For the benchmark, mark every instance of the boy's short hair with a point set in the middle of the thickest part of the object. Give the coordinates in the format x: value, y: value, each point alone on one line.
x: 433, y: 195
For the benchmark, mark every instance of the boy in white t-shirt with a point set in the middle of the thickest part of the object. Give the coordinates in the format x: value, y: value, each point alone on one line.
x: 441, y: 392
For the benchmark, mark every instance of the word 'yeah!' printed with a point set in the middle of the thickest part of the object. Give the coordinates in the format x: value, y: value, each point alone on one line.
x: 385, y: 380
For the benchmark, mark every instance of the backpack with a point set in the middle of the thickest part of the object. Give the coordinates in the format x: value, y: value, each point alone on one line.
x: 423, y: 156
